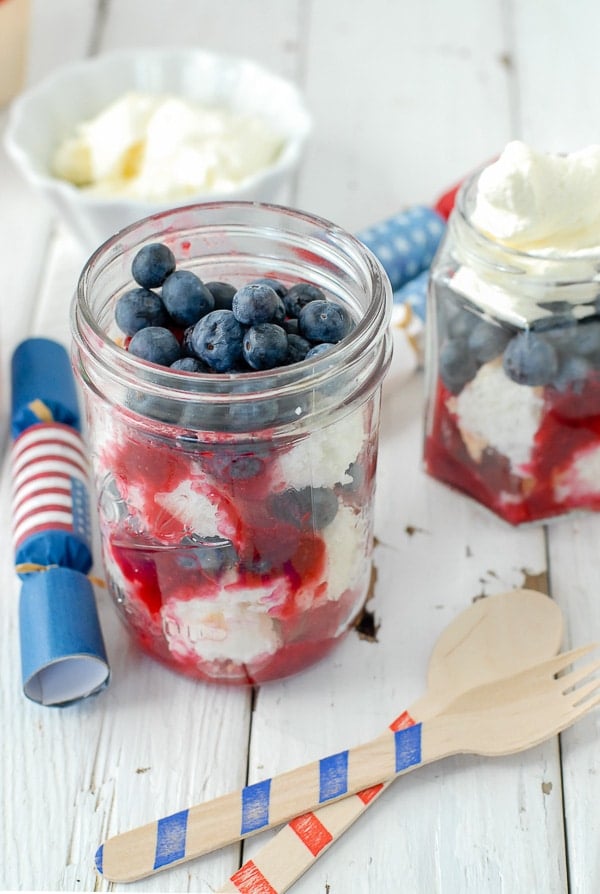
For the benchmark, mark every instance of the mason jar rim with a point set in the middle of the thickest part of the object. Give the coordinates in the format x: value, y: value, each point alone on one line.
x: 229, y: 387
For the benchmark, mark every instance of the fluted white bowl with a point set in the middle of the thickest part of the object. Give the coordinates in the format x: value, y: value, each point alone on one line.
x: 43, y: 116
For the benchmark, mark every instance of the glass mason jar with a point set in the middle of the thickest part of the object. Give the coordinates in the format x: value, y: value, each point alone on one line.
x: 513, y: 373
x: 236, y: 509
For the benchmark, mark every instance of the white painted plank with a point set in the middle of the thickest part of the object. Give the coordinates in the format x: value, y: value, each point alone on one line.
x: 407, y: 97
x: 557, y: 68
x: 24, y: 231
x: 558, y: 112
x: 61, y: 32
x: 573, y: 548
x: 264, y: 30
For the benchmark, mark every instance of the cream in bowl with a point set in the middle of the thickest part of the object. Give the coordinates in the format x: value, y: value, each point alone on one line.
x: 160, y: 147
x: 113, y: 139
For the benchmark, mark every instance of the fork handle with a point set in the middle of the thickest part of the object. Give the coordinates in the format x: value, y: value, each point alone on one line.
x: 301, y: 842
x: 198, y: 830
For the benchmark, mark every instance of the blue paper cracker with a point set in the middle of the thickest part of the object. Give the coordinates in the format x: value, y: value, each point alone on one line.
x: 63, y: 657
x: 41, y: 372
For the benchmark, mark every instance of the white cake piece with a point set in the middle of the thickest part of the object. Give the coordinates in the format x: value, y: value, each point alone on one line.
x: 219, y: 629
x: 493, y: 411
x: 322, y: 458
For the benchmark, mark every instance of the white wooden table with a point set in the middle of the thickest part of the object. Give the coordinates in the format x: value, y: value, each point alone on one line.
x: 406, y: 99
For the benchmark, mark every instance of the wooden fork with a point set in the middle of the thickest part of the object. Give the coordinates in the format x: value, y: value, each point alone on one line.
x: 511, y: 715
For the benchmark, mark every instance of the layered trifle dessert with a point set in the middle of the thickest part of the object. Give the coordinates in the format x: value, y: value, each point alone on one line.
x: 513, y: 359
x: 235, y: 455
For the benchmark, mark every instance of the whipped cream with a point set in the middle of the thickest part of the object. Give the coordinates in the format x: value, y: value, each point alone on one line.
x: 160, y: 147
x: 212, y: 630
x: 547, y: 208
x: 531, y: 201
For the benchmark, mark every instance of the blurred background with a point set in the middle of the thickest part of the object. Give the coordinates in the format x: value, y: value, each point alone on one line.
x: 406, y: 97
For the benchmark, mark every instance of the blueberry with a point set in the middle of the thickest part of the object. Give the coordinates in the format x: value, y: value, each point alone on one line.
x: 217, y: 339
x: 529, y: 359
x: 186, y: 298
x: 324, y: 321
x: 253, y: 416
x: 152, y: 264
x: 559, y: 307
x: 155, y: 344
x: 316, y: 350
x: 239, y: 467
x: 461, y: 323
x: 258, y: 564
x: 291, y: 326
x: 137, y: 309
x: 572, y: 374
x: 560, y: 330
x: 255, y: 303
x: 588, y: 337
x: 213, y: 554
x: 223, y: 294
x: 299, y: 296
x: 311, y: 508
x: 487, y: 341
x: 274, y: 284
x: 190, y: 364
x: 280, y: 312
x: 265, y: 346
x: 298, y: 348
x: 457, y: 364
x: 186, y: 342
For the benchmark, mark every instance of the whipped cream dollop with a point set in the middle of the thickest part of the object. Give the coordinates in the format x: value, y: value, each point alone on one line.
x: 161, y: 147
x: 530, y: 200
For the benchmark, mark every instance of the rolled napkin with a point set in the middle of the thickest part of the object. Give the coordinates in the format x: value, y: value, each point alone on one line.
x: 63, y: 656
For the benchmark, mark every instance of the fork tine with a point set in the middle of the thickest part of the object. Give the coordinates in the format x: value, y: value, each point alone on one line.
x: 554, y: 665
x: 580, y: 710
x: 580, y: 695
x: 576, y: 676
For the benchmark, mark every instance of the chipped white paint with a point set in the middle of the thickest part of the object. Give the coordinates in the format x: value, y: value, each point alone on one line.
x: 406, y: 98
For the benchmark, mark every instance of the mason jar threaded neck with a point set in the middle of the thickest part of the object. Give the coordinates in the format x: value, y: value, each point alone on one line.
x: 244, y: 240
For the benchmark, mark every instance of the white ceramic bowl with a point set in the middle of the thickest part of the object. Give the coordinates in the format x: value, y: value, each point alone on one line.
x: 42, y: 117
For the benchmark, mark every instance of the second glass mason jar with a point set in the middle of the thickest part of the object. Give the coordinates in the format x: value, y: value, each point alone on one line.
x: 513, y: 373
x: 236, y: 509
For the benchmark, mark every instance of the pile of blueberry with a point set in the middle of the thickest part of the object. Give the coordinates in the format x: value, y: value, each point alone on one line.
x: 213, y: 327
x: 558, y: 351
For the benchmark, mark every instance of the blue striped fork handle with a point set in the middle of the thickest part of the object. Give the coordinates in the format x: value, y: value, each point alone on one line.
x: 496, y: 718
